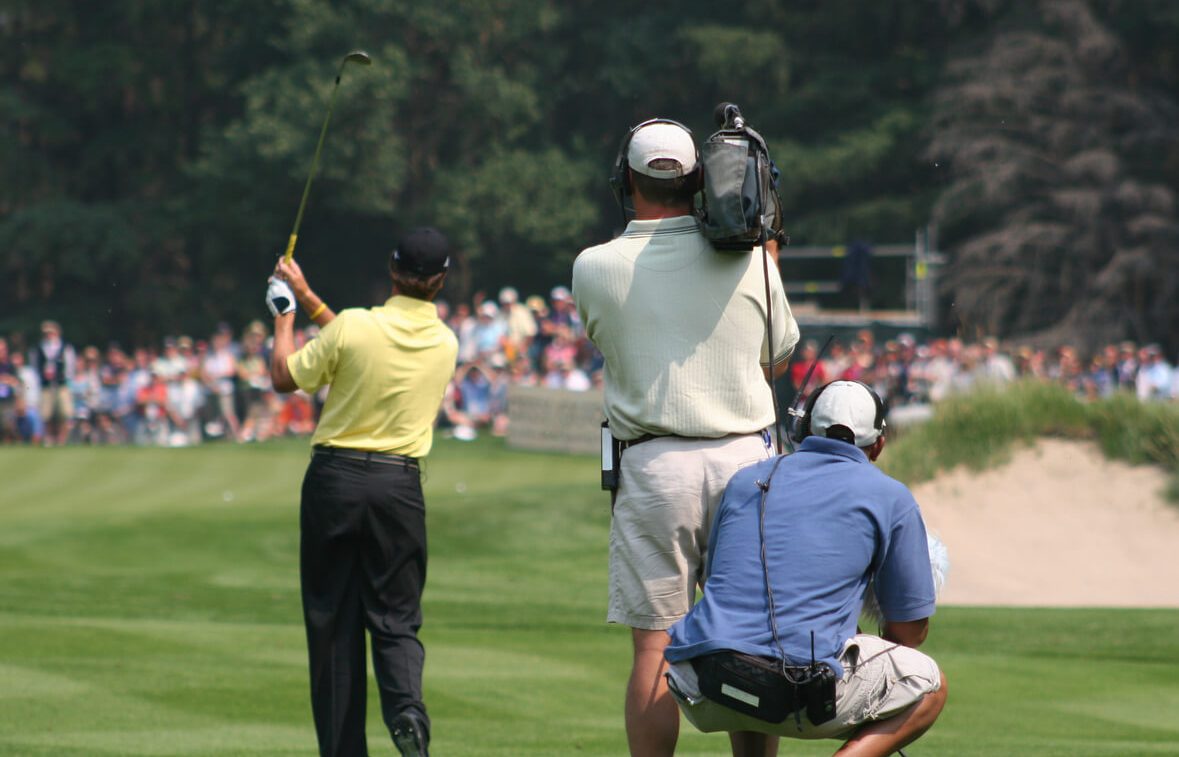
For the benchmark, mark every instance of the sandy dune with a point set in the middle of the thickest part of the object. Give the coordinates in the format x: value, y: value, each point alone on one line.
x: 1060, y: 525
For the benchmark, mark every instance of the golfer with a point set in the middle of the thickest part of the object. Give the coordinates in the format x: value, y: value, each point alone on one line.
x: 815, y: 527
x: 362, y: 518
x: 682, y: 328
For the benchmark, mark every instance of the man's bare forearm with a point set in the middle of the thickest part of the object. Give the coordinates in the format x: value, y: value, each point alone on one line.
x: 284, y: 347
x: 907, y: 633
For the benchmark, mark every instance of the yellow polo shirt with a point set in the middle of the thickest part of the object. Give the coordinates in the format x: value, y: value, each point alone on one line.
x: 388, y: 368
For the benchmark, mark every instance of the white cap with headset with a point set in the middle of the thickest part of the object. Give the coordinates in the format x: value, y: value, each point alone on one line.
x: 851, y: 404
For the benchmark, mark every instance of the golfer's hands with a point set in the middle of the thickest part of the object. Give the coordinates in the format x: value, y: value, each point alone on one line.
x: 290, y: 272
x: 317, y: 310
x: 279, y: 297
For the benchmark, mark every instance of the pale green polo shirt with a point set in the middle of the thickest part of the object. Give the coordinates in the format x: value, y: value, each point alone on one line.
x: 683, y: 330
x: 388, y: 368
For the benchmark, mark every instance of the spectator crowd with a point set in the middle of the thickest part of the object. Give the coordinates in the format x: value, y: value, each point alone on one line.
x: 186, y: 391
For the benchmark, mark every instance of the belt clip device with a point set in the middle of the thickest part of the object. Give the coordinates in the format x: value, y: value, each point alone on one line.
x: 609, y: 459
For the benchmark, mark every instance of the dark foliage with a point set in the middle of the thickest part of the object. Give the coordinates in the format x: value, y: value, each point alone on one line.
x: 155, y: 154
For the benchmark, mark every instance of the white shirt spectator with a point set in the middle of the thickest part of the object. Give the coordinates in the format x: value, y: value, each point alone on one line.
x: 1154, y: 377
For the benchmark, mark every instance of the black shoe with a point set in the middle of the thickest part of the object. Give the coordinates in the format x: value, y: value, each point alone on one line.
x: 410, y: 734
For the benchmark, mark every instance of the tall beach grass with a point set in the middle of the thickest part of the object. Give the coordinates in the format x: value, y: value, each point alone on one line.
x: 981, y: 429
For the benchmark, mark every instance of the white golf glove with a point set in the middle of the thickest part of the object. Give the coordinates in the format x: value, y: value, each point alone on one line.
x: 279, y: 297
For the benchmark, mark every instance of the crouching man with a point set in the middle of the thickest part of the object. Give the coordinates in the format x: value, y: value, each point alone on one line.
x: 772, y: 649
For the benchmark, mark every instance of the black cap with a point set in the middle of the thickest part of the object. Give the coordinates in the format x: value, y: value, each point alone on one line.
x: 423, y: 252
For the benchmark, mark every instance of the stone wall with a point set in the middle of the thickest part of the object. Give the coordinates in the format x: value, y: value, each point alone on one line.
x: 555, y: 420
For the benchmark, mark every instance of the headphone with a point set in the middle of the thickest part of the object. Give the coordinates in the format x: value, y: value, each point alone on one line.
x: 803, y: 429
x: 620, y: 179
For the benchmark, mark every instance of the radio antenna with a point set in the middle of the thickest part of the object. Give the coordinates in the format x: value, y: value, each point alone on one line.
x: 794, y: 411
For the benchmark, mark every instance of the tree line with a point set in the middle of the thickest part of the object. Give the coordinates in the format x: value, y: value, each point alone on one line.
x: 155, y: 153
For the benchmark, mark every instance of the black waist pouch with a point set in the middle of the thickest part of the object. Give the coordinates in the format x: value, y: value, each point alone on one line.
x: 764, y: 689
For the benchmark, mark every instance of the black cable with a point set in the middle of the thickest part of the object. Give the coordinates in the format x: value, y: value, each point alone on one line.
x: 765, y: 267
x: 765, y: 565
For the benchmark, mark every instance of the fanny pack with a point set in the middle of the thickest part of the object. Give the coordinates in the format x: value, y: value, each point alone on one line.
x: 764, y: 688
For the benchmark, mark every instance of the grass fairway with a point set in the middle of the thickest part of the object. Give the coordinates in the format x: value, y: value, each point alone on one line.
x: 149, y: 606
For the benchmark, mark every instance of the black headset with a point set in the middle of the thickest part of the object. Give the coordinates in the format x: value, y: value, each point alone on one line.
x: 803, y: 429
x: 620, y: 179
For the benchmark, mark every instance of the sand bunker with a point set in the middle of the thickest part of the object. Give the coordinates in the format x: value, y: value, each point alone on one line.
x: 1059, y: 525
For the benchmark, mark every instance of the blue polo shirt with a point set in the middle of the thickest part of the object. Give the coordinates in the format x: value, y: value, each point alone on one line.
x: 833, y: 520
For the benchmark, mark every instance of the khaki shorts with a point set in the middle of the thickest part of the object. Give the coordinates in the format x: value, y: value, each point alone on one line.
x: 880, y: 679
x: 56, y: 404
x: 668, y: 492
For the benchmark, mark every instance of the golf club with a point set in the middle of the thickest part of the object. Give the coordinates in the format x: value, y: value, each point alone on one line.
x: 356, y: 56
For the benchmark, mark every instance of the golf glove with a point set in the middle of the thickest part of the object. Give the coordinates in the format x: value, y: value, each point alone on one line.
x: 279, y: 297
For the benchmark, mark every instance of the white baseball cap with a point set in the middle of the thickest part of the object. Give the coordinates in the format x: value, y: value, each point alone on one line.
x: 852, y: 405
x: 660, y: 140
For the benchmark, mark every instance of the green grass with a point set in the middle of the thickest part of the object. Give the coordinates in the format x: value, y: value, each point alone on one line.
x: 149, y: 606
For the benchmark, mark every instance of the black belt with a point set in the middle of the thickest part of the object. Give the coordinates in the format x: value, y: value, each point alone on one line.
x: 346, y: 453
x: 627, y: 443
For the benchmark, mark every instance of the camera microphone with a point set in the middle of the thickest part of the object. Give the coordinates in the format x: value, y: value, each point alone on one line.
x: 728, y: 115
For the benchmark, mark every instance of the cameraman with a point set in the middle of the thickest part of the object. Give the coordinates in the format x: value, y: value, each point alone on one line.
x: 682, y: 329
x: 831, y: 522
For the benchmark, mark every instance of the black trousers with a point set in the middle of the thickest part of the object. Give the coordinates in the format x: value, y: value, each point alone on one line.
x: 363, y: 566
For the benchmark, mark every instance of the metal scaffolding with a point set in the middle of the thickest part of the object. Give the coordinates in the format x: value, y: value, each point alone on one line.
x: 916, y: 306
